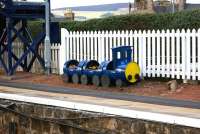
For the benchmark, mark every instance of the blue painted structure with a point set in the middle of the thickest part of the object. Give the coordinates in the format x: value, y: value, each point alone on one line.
x: 113, y: 70
x: 121, y: 56
x: 16, y: 14
x: 81, y: 68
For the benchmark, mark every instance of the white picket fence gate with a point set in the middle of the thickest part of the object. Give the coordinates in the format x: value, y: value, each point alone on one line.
x: 170, y: 54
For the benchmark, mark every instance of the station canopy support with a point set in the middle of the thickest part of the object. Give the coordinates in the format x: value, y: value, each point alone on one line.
x: 16, y: 15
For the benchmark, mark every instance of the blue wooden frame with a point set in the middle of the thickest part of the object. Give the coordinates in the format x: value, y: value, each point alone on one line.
x: 19, y: 13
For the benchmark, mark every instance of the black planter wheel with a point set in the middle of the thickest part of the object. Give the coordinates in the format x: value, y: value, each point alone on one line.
x: 105, y: 81
x: 75, y: 78
x: 65, y: 78
x: 84, y: 79
x: 96, y: 80
x: 119, y: 83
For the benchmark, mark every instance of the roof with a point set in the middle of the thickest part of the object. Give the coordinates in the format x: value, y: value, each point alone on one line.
x: 121, y: 48
x: 103, y: 7
x: 192, y: 6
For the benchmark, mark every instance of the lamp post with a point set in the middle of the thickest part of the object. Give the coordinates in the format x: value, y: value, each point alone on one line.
x: 47, y: 44
x: 173, y: 6
x: 129, y: 7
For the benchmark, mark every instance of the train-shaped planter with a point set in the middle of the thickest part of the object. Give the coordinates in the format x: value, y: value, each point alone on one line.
x: 119, y: 72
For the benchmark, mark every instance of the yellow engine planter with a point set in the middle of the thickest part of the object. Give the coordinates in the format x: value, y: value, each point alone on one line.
x: 132, y: 72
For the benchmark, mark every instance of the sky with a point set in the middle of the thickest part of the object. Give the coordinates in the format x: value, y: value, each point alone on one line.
x: 74, y: 3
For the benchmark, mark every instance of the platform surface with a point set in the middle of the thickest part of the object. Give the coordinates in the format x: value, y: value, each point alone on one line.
x: 168, y: 114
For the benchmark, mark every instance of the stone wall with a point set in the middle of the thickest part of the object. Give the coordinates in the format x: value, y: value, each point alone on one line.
x: 25, y: 118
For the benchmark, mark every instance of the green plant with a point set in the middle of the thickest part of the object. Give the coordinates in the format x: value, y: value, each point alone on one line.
x: 179, y: 20
x: 185, y: 19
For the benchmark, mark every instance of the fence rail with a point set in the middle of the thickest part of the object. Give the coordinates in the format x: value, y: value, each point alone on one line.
x: 165, y: 53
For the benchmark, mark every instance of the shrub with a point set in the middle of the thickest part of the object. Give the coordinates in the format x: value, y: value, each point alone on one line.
x: 35, y: 27
x: 185, y: 19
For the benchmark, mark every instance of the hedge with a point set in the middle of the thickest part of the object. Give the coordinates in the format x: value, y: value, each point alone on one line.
x: 185, y: 19
x: 35, y: 27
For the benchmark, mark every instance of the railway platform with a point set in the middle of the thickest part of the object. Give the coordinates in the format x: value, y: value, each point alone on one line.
x: 183, y: 116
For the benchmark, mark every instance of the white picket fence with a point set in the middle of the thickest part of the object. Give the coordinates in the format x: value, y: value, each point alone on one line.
x: 55, y: 50
x: 170, y: 54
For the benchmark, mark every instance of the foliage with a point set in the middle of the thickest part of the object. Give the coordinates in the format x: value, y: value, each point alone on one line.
x: 185, y: 19
x: 35, y: 27
x: 179, y: 20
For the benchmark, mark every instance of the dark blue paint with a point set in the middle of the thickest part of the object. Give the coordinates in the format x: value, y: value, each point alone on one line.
x: 14, y: 13
x: 113, y: 69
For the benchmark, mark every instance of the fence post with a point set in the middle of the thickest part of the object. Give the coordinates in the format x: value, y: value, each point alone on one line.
x: 88, y: 45
x: 163, y: 45
x: 172, y: 49
x: 92, y: 45
x: 153, y: 47
x: 102, y: 46
x: 194, y: 47
x: 140, y: 52
x: 144, y: 53
x: 78, y: 45
x: 158, y: 52
x: 63, y: 50
x: 168, y: 53
x: 100, y: 50
x: 184, y: 51
x: 188, y: 52
x: 198, y: 57
x: 81, y: 46
x: 106, y: 45
x: 178, y: 54
x: 96, y: 45
x: 111, y: 44
x: 135, y: 46
x: 149, y: 72
x: 85, y: 45
x: 74, y: 45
